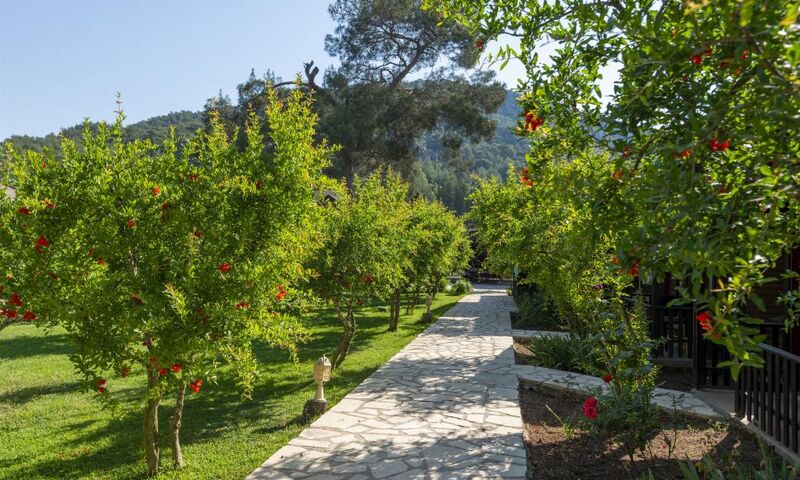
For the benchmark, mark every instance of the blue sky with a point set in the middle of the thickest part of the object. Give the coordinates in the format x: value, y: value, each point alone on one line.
x: 61, y: 61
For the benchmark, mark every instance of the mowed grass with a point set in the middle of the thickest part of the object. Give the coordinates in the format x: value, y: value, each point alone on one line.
x: 51, y: 428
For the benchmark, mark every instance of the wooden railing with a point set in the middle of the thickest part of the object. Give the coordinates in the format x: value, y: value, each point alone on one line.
x: 768, y: 396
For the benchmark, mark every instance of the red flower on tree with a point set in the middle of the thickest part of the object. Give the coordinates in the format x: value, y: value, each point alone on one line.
x: 165, y: 206
x: 706, y: 321
x: 195, y: 386
x: 176, y: 367
x: 29, y: 316
x: 626, y: 152
x: 49, y: 204
x: 479, y: 44
x: 259, y: 184
x: 124, y: 371
x: 718, y: 146
x: 153, y: 360
x: 697, y: 59
x: 532, y: 121
x: 192, y: 177
x: 15, y: 300
x: 8, y: 313
x: 162, y: 371
x: 524, y: 177
x: 24, y: 211
x: 686, y: 153
x: 589, y: 408
x: 101, y: 385
x: 198, y: 234
x: 608, y: 378
x: 634, y: 270
x: 242, y: 306
x: 281, y: 293
x: 224, y: 267
x: 131, y: 223
x: 156, y: 191
x: 42, y: 241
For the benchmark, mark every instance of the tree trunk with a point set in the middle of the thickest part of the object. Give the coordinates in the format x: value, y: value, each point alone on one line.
x: 394, y: 316
x: 349, y: 323
x: 150, y: 439
x: 413, y: 301
x: 175, y: 429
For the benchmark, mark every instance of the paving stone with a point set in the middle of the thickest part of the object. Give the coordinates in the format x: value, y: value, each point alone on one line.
x: 446, y: 406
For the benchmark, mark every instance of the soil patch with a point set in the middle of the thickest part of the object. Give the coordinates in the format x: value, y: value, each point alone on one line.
x: 553, y: 454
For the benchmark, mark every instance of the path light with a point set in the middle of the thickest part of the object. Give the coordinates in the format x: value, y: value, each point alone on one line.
x: 318, y: 405
x: 322, y: 373
x: 428, y: 316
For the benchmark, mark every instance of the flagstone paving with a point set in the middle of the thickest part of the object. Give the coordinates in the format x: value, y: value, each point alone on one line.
x: 445, y: 407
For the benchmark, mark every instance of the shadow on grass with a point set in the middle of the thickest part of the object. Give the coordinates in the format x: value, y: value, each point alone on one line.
x: 25, y: 395
x: 22, y: 346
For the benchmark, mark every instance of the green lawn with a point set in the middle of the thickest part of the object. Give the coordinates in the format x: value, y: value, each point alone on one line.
x: 50, y: 428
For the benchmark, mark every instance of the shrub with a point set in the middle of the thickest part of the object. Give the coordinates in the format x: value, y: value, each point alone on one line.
x: 461, y: 287
x: 571, y: 353
x: 771, y: 468
x: 537, y: 311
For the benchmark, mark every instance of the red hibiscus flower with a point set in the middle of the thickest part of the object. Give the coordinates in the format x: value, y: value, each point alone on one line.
x: 101, y: 389
x: 281, y: 293
x: 176, y: 367
x: 686, y: 153
x: 697, y: 59
x: 259, y: 184
x: 589, y: 408
x: 131, y: 223
x: 615, y: 260
x: 42, y: 241
x: 618, y: 174
x: 198, y: 234
x: 626, y: 152
x: 124, y: 372
x: 29, y: 316
x: 15, y: 300
x: 101, y: 261
x: 192, y: 177
x: 608, y: 378
x: 706, y: 321
x: 8, y: 313
x: 242, y: 305
x: 156, y: 191
x: 24, y: 211
x: 49, y: 204
x: 101, y: 382
x: 165, y: 206
x: 162, y: 371
x: 153, y: 360
x: 744, y: 55
x: 479, y: 44
x: 224, y: 267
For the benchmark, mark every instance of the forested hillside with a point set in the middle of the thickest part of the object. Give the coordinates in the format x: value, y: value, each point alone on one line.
x: 440, y: 176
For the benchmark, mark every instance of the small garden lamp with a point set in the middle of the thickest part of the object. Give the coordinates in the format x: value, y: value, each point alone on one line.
x: 322, y: 373
x: 318, y: 405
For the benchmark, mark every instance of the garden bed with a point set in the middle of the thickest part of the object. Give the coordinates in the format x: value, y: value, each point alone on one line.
x: 553, y: 454
x: 672, y: 378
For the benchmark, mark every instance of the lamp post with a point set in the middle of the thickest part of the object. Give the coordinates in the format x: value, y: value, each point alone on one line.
x: 321, y: 374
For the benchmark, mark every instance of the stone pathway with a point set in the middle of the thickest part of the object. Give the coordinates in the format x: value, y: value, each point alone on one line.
x: 445, y: 407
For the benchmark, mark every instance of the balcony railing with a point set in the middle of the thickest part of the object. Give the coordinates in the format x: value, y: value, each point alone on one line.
x: 768, y: 396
